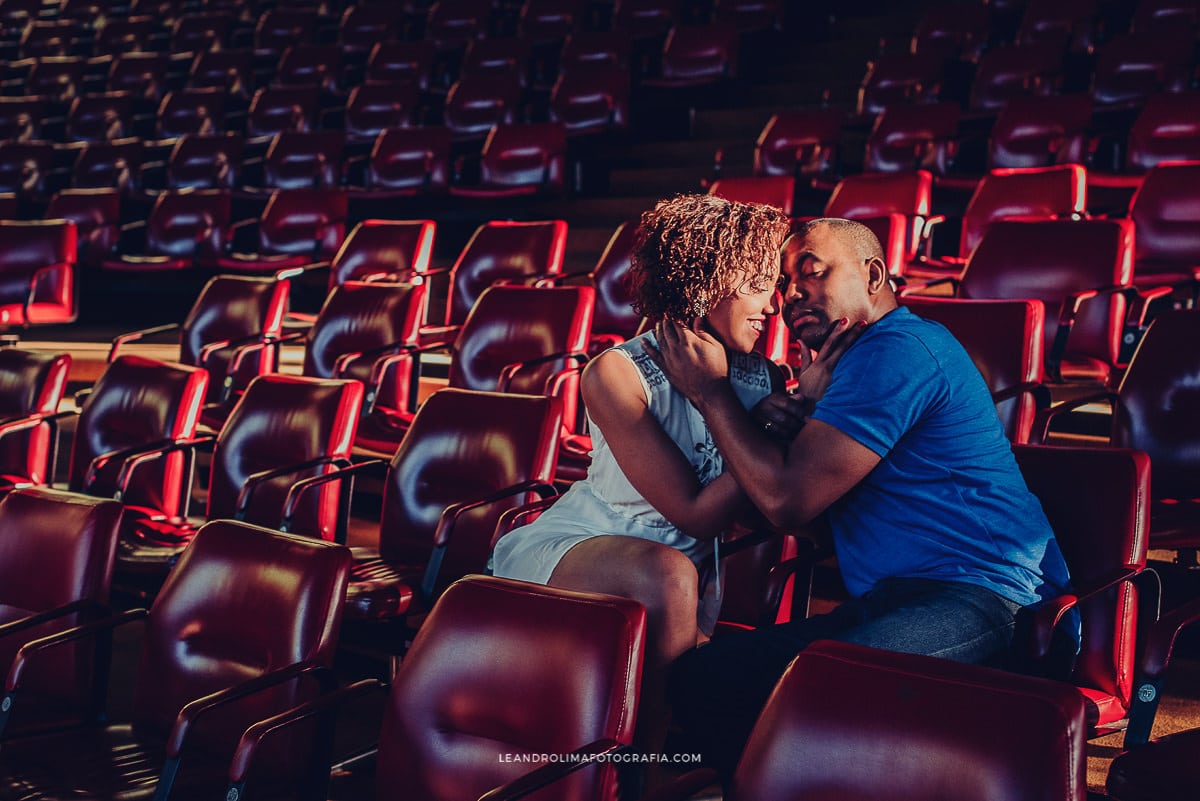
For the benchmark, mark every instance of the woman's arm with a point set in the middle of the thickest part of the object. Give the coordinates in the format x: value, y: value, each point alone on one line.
x: 653, y: 463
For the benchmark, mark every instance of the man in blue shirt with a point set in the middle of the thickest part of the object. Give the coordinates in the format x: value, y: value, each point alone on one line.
x: 896, y: 440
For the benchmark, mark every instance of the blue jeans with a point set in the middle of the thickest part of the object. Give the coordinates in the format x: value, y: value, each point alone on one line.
x: 718, y: 689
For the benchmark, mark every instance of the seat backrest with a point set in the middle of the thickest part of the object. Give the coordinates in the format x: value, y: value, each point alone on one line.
x: 103, y: 164
x: 1157, y: 411
x: 450, y: 721
x: 475, y: 103
x: 497, y: 57
x: 1132, y: 66
x: 873, y: 197
x: 58, y: 77
x: 375, y: 107
x: 646, y: 19
x: 1058, y: 192
x: 25, y: 166
x: 199, y: 31
x: 1166, y: 203
x: 451, y: 24
x: 285, y: 421
x: 31, y: 247
x: 550, y: 21
x: 590, y: 100
x: 283, y: 108
x: 501, y: 250
x: 21, y: 118
x: 242, y: 601
x: 526, y: 154
x: 1167, y: 129
x: 1040, y: 130
x: 55, y: 548
x: 1050, y: 260
x: 512, y: 324
x: 304, y: 159
x: 1096, y: 500
x: 614, y: 309
x: 463, y: 445
x: 1009, y: 71
x: 205, y: 161
x: 304, y: 221
x: 694, y: 55
x: 31, y: 383
x: 602, y: 50
x: 393, y: 248
x: 279, y: 28
x: 189, y: 223
x: 909, y: 137
x: 410, y: 159
x: 898, y: 79
x: 1061, y: 22
x: 97, y: 217
x: 229, y: 69
x: 100, y: 117
x: 142, y: 74
x: 401, y: 61
x: 798, y: 143
x: 365, y: 319
x: 775, y: 190
x: 303, y: 63
x: 137, y: 403
x: 1004, y: 339
x: 192, y: 110
x: 850, y: 722
x: 952, y: 31
x: 232, y: 309
x: 362, y: 26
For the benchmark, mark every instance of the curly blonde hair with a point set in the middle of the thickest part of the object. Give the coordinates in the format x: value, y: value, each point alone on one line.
x: 693, y: 251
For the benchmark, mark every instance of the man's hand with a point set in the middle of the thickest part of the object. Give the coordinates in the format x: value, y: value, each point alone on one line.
x: 781, y: 415
x: 693, y: 360
x: 814, y: 379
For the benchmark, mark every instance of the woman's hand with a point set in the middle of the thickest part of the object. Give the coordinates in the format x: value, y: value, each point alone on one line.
x: 814, y: 379
x: 693, y: 360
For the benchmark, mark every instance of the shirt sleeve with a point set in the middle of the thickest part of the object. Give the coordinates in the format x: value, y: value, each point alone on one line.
x: 881, y: 387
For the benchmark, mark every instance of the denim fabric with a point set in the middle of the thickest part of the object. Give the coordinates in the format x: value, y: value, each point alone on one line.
x: 718, y: 689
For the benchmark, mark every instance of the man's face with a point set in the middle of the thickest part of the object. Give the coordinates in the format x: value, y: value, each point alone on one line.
x: 827, y: 280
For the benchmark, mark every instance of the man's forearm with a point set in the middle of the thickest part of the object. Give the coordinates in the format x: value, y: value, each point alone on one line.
x: 755, y: 460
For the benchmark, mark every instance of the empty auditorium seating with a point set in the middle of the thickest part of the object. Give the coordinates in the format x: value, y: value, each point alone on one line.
x: 184, y: 231
x: 283, y: 429
x: 912, y: 137
x: 591, y: 100
x: 1004, y: 340
x: 392, y: 250
x: 37, y: 273
x: 31, y: 386
x: 502, y: 251
x: 1041, y: 130
x: 898, y: 80
x: 516, y: 339
x: 476, y: 103
x: 97, y: 217
x: 579, y: 698
x: 775, y: 190
x: 1167, y: 245
x: 230, y: 311
x: 297, y: 227
x: 137, y: 405
x: 268, y: 605
x: 1153, y: 412
x: 205, y: 161
x: 894, y: 205
x: 1078, y: 269
x: 843, y: 722
x: 1010, y: 71
x: 56, y: 555
x: 406, y: 161
x: 520, y: 159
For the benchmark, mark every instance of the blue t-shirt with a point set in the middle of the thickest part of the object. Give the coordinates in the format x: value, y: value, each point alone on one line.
x: 947, y: 501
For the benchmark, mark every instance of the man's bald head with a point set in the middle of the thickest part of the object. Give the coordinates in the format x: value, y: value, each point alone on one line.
x: 860, y: 237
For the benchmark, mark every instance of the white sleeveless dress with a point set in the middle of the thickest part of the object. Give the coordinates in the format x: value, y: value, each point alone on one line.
x: 605, y: 503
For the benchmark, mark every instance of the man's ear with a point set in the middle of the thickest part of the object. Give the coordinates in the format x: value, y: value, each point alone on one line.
x: 877, y: 275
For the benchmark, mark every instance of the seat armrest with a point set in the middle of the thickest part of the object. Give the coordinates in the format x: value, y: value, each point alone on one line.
x: 303, y: 485
x: 1050, y: 614
x: 30, y: 621
x: 193, y: 710
x: 252, y: 739
x: 1067, y: 314
x: 449, y: 518
x: 138, y: 459
x: 907, y: 287
x: 509, y: 372
x: 1153, y: 667
x: 121, y: 453
x: 133, y: 336
x: 31, y: 650
x: 1041, y: 423
x: 255, y: 479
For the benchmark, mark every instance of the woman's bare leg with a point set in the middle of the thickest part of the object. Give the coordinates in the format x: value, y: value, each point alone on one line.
x: 664, y: 581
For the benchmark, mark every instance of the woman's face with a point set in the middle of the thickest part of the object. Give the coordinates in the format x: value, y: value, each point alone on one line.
x: 738, y: 320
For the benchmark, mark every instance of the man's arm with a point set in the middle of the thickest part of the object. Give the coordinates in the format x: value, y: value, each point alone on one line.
x: 792, y: 486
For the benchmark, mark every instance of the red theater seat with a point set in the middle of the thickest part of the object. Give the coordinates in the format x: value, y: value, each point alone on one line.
x: 31, y: 387
x: 37, y: 273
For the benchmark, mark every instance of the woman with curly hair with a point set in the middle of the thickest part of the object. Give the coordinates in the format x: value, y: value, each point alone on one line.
x: 656, y: 495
